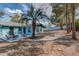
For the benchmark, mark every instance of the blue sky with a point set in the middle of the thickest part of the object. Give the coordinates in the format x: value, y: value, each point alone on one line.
x: 10, y: 5
x: 10, y: 8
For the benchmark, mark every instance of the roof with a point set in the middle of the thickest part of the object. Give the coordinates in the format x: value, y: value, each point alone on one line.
x: 38, y: 25
x: 41, y: 25
x: 2, y: 23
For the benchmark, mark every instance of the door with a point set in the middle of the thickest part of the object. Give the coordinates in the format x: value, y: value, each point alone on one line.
x: 24, y: 30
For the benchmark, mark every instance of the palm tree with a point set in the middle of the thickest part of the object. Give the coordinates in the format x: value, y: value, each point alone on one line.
x: 34, y: 15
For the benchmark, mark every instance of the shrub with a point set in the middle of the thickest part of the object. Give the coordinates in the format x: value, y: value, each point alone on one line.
x: 77, y: 25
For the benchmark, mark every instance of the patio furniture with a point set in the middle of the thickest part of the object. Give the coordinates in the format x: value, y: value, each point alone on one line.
x: 10, y: 36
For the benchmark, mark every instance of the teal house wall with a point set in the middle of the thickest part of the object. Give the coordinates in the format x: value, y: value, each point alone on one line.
x: 5, y: 29
x: 19, y: 29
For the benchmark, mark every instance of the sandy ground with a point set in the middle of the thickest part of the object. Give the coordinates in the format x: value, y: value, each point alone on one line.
x: 53, y: 43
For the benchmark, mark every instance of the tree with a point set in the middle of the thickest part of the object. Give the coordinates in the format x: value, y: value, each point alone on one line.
x: 66, y: 7
x: 73, y: 21
x: 34, y: 15
x: 19, y: 18
x: 1, y: 13
x: 68, y: 23
x: 58, y: 10
x: 70, y: 17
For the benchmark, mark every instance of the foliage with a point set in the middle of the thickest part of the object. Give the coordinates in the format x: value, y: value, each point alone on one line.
x: 1, y: 13
x: 34, y: 15
x: 18, y: 18
x: 77, y: 24
x: 59, y: 14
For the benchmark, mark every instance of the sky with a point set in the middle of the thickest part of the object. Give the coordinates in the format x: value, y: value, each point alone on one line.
x: 10, y: 8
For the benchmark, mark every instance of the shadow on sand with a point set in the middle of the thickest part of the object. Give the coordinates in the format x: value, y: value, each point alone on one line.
x: 36, y: 37
x: 22, y: 49
x: 65, y: 40
x: 35, y: 51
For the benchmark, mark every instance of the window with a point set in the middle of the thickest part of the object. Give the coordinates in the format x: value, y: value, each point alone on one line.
x: 37, y: 29
x: 29, y: 29
x: 41, y: 29
x: 20, y: 31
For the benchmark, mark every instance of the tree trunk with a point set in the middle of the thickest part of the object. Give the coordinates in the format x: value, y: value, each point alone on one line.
x: 68, y: 17
x: 66, y: 10
x: 73, y: 22
x: 33, y: 28
x: 61, y: 26
x: 69, y: 24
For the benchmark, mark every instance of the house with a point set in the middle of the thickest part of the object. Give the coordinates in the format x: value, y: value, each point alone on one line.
x: 6, y: 26
x: 39, y: 29
x: 51, y: 27
x: 18, y: 28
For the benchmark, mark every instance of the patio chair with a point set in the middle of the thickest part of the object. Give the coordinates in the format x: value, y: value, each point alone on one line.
x: 10, y: 36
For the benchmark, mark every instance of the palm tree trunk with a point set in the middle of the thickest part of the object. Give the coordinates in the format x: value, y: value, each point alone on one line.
x: 33, y: 28
x: 73, y: 22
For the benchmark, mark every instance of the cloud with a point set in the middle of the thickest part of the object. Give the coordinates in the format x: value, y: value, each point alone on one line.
x: 8, y: 10
x: 45, y: 7
x: 25, y: 7
x: 77, y: 13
